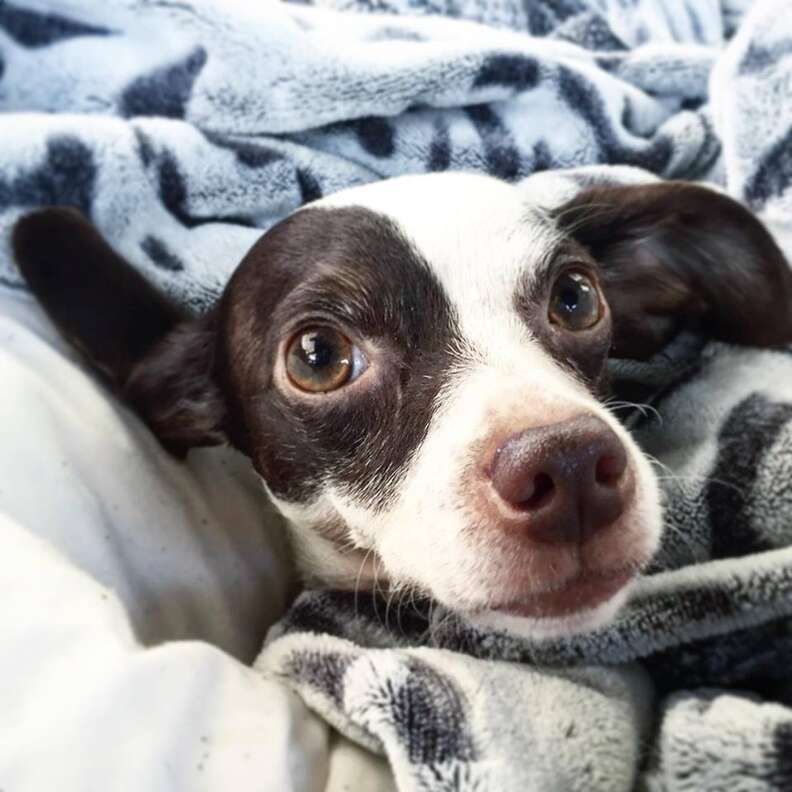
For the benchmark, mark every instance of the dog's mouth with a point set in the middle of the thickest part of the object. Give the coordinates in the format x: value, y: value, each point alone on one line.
x: 584, y: 592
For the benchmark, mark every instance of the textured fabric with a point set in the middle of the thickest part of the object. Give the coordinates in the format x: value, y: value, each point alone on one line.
x: 184, y: 128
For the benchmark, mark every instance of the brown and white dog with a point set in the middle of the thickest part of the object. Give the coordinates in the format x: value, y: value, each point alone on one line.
x: 417, y: 371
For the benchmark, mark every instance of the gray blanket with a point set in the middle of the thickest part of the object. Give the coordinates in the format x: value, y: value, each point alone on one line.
x: 184, y: 128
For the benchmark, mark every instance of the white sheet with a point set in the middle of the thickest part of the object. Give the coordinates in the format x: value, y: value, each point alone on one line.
x: 133, y: 590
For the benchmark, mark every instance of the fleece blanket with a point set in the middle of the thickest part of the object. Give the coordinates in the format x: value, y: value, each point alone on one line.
x: 185, y: 128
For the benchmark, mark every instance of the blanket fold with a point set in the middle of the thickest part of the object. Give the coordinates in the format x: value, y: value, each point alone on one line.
x: 184, y: 129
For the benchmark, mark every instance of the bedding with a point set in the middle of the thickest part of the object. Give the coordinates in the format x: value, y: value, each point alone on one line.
x: 134, y: 593
x: 183, y: 129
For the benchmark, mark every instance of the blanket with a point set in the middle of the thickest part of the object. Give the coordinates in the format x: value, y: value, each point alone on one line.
x: 185, y: 127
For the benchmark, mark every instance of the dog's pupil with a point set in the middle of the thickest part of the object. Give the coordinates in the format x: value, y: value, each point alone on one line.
x: 319, y: 352
x: 574, y: 302
x: 570, y: 297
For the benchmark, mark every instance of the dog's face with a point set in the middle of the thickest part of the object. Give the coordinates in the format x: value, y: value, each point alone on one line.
x: 417, y: 371
x: 414, y: 369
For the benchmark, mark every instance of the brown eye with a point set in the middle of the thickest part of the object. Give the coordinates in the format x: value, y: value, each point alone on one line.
x: 575, y: 302
x: 320, y: 359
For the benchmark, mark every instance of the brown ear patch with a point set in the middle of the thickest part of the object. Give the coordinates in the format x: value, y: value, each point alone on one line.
x: 173, y: 389
x: 100, y: 303
x: 675, y: 255
x: 128, y: 332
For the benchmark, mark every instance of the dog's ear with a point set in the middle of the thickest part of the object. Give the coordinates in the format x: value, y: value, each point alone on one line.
x: 158, y: 360
x: 675, y: 255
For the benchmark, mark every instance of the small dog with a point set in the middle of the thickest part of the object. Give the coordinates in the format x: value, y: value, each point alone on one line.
x: 417, y: 371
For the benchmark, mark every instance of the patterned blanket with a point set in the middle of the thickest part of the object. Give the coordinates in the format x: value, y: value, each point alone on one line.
x: 184, y: 127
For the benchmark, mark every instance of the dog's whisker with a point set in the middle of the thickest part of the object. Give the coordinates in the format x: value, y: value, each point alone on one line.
x: 358, y: 578
x: 643, y: 408
x: 406, y: 598
x: 388, y: 600
x: 686, y: 538
x: 380, y: 592
x: 672, y: 476
x: 681, y: 479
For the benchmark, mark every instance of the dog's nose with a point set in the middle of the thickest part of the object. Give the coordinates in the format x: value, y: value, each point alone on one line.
x: 568, y: 478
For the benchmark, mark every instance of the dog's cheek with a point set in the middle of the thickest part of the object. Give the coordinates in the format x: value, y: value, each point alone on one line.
x: 324, y: 551
x: 583, y: 355
x: 643, y: 528
x: 300, y: 445
x: 432, y: 535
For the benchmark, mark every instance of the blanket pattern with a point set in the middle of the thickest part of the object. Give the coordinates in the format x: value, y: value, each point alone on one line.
x: 184, y: 128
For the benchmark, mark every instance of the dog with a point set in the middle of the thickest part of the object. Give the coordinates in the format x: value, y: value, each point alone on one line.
x: 417, y: 371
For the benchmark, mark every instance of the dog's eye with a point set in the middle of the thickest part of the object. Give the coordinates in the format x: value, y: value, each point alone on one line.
x: 321, y: 359
x: 575, y: 302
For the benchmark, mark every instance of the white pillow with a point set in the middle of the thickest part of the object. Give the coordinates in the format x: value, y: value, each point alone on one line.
x: 131, y: 587
x: 193, y: 550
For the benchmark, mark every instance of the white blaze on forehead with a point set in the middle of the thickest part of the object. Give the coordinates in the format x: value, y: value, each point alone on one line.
x: 480, y: 238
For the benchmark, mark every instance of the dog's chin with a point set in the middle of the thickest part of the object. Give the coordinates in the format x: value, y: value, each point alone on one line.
x: 562, y: 614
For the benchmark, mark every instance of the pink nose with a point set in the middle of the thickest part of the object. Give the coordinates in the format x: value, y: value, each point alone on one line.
x: 570, y: 479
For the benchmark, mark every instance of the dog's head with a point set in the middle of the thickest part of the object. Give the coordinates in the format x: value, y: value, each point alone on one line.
x: 417, y: 371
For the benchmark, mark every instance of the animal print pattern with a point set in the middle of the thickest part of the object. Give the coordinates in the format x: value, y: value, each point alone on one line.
x: 183, y: 129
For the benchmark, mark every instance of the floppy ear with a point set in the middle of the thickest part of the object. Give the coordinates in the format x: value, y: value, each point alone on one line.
x: 675, y: 255
x: 146, y: 349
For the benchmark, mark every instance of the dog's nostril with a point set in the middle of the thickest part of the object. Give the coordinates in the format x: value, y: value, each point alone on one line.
x: 610, y: 469
x: 543, y: 488
x: 569, y: 480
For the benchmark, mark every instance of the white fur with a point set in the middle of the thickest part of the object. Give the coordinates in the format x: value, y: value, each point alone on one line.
x: 548, y: 629
x: 480, y: 236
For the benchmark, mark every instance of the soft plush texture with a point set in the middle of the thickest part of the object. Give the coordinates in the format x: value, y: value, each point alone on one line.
x: 183, y: 130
